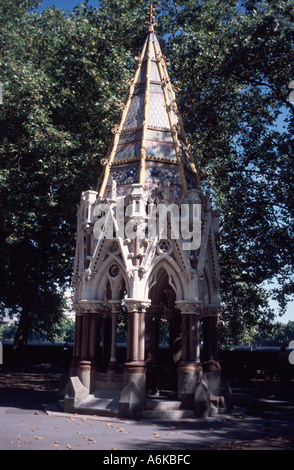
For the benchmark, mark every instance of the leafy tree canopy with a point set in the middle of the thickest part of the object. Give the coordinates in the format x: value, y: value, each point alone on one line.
x: 65, y: 75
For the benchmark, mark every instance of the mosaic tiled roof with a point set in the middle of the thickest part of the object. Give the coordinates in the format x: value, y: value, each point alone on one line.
x: 149, y: 146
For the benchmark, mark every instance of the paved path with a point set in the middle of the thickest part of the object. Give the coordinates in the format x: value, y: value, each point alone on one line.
x: 265, y: 422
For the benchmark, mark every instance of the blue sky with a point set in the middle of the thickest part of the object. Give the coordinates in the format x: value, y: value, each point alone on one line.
x: 69, y: 5
x: 66, y: 4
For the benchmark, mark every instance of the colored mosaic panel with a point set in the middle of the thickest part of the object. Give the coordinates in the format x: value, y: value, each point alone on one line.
x: 139, y: 88
x: 156, y: 173
x: 156, y: 191
x: 142, y: 73
x: 127, y: 152
x: 155, y: 88
x: 128, y: 137
x: 152, y: 52
x: 122, y: 190
x: 190, y: 180
x: 159, y: 135
x: 135, y: 114
x: 124, y: 175
x: 155, y: 77
x: 157, y: 115
x: 161, y: 151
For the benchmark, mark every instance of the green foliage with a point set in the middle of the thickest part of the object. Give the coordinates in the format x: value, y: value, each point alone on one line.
x: 233, y: 65
x: 65, y: 75
x: 7, y: 332
x: 64, y: 78
x: 60, y: 331
x: 281, y: 334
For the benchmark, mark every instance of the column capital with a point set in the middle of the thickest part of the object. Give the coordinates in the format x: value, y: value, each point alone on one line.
x: 189, y: 307
x: 89, y: 306
x: 135, y: 305
x: 115, y: 305
x: 211, y: 310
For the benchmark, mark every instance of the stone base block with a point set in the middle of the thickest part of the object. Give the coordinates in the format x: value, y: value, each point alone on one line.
x: 219, y: 389
x: 202, y: 403
x: 188, y: 378
x: 74, y: 393
x: 131, y: 402
x: 132, y: 396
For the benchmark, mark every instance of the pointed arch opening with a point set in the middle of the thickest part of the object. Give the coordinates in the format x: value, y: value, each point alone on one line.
x: 163, y: 331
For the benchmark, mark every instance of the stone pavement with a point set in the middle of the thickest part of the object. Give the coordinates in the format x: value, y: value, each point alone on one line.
x: 263, y: 419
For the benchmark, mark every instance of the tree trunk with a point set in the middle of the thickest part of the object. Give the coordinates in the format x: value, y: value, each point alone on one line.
x: 21, y: 338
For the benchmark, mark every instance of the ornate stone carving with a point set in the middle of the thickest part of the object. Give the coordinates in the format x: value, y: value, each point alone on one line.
x: 113, y: 192
x: 113, y: 248
x: 164, y: 247
x: 134, y: 305
x: 188, y: 308
x: 86, y: 306
x: 90, y: 274
x: 114, y: 270
x: 148, y: 163
x: 115, y: 305
x: 188, y: 275
x: 115, y: 129
x: 140, y: 270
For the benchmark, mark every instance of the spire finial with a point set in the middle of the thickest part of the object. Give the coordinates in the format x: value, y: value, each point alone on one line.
x: 151, y: 17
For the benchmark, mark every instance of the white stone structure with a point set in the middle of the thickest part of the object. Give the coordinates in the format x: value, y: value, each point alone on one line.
x: 147, y: 267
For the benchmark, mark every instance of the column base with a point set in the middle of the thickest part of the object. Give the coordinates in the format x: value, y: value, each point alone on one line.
x: 135, y: 371
x: 80, y: 383
x: 86, y: 372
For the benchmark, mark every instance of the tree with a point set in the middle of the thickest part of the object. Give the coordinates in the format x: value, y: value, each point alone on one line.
x: 233, y: 64
x: 65, y: 76
x: 284, y: 334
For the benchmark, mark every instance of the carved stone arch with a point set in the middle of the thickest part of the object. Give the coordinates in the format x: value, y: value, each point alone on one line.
x: 111, y: 271
x: 164, y: 271
x: 157, y: 293
x: 165, y: 286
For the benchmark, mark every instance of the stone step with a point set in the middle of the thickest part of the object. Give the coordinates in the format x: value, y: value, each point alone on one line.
x: 162, y: 408
x: 100, y: 402
x: 166, y: 414
x: 161, y: 404
x: 106, y: 381
x: 218, y: 404
x: 104, y: 376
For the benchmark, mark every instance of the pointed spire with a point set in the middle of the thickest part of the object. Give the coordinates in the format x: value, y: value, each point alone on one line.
x: 151, y: 17
x: 150, y: 145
